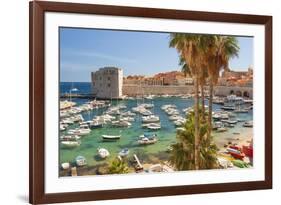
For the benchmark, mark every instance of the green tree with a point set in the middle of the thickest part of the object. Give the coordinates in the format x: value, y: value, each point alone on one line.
x: 182, y: 154
x: 202, y: 79
x: 218, y: 50
x: 118, y: 166
x: 188, y: 47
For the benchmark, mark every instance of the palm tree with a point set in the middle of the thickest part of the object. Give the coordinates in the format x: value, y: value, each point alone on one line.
x: 182, y: 154
x: 202, y: 80
x: 188, y: 47
x: 217, y: 52
x: 118, y: 166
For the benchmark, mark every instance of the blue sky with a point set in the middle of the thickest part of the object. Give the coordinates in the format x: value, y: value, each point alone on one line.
x: 138, y: 53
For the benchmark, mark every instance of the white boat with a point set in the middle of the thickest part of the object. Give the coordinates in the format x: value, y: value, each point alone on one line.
x: 230, y: 121
x: 150, y: 119
x: 239, y: 110
x: 80, y: 132
x: 84, y: 126
x: 216, y: 116
x: 122, y: 106
x: 146, y: 141
x: 128, y: 114
x: 95, y: 124
x: 224, y: 116
x: 103, y: 153
x: 164, y: 107
x: 128, y: 119
x: 145, y: 112
x: 74, y: 89
x: 228, y: 107
x: 179, y: 122
x: 217, y: 125
x: 120, y: 123
x: 69, y: 137
x: 248, y: 101
x: 248, y: 124
x: 172, y: 111
x: 174, y: 117
x: 147, y: 105
x: 65, y: 165
x: 124, y: 152
x: 80, y: 161
x: 62, y: 127
x: 221, y: 129
x: 154, y: 126
x: 70, y: 144
x: 180, y: 129
x: 111, y: 137
x: 67, y: 121
x: 186, y: 96
x: 165, y: 96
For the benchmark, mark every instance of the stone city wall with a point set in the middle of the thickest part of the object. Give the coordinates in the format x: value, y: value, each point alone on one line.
x: 133, y: 90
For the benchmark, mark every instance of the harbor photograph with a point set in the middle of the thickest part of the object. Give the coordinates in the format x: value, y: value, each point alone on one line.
x: 139, y: 102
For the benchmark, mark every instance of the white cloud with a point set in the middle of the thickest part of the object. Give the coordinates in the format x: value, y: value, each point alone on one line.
x: 95, y: 54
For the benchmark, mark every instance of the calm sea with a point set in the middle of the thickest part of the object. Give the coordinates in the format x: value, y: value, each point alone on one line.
x: 83, y: 87
x: 151, y: 153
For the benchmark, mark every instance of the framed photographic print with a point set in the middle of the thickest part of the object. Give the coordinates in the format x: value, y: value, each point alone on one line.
x: 139, y: 102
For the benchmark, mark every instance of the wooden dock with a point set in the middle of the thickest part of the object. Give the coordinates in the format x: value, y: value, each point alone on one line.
x: 139, y: 166
x: 73, y: 171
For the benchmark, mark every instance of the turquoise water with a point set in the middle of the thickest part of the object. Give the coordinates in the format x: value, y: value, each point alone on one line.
x: 150, y: 153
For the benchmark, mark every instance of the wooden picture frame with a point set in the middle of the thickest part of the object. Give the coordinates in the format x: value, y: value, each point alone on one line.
x: 37, y: 101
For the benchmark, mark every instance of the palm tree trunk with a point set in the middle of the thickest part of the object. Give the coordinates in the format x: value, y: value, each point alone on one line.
x: 196, y: 124
x: 211, y: 87
x: 203, y: 101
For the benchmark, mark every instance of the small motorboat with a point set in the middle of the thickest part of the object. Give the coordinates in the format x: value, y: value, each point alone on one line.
x: 65, y: 165
x: 221, y: 129
x: 154, y: 126
x: 236, y: 153
x: 145, y: 112
x: 95, y: 124
x: 80, y: 161
x: 230, y: 121
x: 124, y: 152
x: 80, y: 132
x: 128, y: 119
x: 103, y: 153
x: 229, y: 125
x: 174, y: 117
x: 150, y: 119
x: 111, y: 137
x: 217, y: 125
x: 69, y: 137
x: 241, y: 111
x: 228, y: 107
x: 248, y: 124
x: 120, y: 123
x: 70, y: 144
x: 147, y: 140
